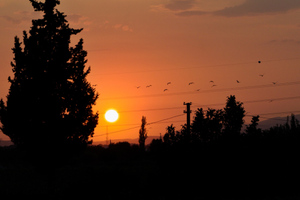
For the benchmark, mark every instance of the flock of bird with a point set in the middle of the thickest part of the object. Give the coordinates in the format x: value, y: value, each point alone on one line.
x: 211, y: 82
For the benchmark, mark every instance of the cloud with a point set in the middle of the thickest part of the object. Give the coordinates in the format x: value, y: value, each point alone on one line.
x: 19, y: 16
x: 177, y: 5
x: 11, y: 19
x: 284, y: 41
x: 191, y: 13
x: 125, y: 28
x: 74, y: 18
x: 122, y: 27
x: 78, y: 19
x: 258, y: 7
x: 104, y: 25
x: 187, y: 8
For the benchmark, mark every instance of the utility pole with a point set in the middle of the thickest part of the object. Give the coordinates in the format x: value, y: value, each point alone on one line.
x: 106, y: 135
x: 188, y: 117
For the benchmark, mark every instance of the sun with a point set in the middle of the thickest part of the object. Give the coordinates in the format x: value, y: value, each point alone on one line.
x: 111, y: 115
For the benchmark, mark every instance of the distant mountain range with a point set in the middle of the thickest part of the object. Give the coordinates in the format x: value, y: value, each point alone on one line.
x: 131, y: 141
x: 265, y: 124
x: 4, y: 143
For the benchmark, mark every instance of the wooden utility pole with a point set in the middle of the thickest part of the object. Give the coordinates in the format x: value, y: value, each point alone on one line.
x: 188, y: 117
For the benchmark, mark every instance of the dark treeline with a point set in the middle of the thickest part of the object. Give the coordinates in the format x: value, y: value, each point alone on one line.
x: 223, y: 160
x: 216, y: 160
x: 224, y: 126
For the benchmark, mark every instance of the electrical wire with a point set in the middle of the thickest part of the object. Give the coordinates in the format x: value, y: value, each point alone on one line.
x: 252, y: 101
x: 197, y: 67
x: 206, y: 91
x: 165, y: 119
x: 279, y: 113
x: 210, y: 105
x: 175, y: 116
x: 127, y: 129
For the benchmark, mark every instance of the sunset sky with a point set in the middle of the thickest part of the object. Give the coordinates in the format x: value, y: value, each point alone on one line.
x: 137, y: 43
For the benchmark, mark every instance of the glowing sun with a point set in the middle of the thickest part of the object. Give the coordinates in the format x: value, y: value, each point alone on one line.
x: 111, y: 115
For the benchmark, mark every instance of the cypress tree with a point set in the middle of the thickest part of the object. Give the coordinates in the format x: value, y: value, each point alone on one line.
x: 50, y: 100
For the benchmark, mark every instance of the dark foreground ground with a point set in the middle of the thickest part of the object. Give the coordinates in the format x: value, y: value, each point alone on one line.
x: 126, y: 173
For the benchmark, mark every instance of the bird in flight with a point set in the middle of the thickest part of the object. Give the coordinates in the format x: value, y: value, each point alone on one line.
x: 165, y: 90
x: 259, y: 61
x: 262, y: 75
x: 237, y: 81
x: 211, y: 81
x: 138, y: 87
x: 148, y: 86
x: 190, y: 83
x: 198, y: 90
x: 168, y: 83
x: 274, y: 83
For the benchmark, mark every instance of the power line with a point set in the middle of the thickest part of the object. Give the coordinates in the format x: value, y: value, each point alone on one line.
x: 206, y: 91
x: 199, y: 67
x: 275, y: 113
x: 139, y: 126
x: 196, y: 67
x: 210, y: 105
x: 163, y: 121
x: 248, y: 115
x: 150, y: 109
x: 253, y: 101
x: 268, y: 118
x: 271, y: 100
x: 127, y: 129
x: 279, y: 113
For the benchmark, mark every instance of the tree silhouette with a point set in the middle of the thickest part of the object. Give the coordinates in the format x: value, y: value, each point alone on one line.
x: 294, y: 123
x: 50, y: 100
x: 234, y: 113
x: 143, y: 133
x: 214, y: 123
x: 199, y: 125
x: 170, y: 137
x: 252, y: 129
x: 207, y: 126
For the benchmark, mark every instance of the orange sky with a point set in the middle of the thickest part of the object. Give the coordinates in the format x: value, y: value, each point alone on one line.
x: 138, y: 43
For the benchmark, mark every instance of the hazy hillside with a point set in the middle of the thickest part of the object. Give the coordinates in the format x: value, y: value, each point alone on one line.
x: 4, y: 143
x: 131, y: 141
x: 266, y: 124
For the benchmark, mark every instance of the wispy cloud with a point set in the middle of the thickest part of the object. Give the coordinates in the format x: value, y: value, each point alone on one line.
x: 247, y: 8
x: 122, y: 27
x: 11, y: 19
x: 104, y: 25
x: 177, y: 5
x: 20, y: 16
x: 191, y: 13
x: 284, y: 41
x: 258, y: 7
x: 74, y: 18
x: 78, y: 19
